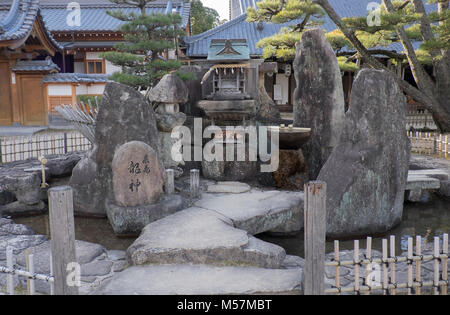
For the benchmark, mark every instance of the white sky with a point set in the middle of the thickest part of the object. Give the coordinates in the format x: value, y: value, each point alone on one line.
x: 221, y: 6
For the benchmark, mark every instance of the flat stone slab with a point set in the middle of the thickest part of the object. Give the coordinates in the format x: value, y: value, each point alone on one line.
x: 257, y: 211
x: 422, y: 182
x: 440, y: 174
x: 202, y: 280
x: 199, y: 236
x: 229, y: 187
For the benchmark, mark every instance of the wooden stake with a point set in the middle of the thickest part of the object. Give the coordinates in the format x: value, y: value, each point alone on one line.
x: 418, y: 263
x: 392, y: 265
x: 337, y: 268
x: 10, y: 266
x: 410, y: 266
x: 436, y: 266
x: 315, y: 234
x: 62, y: 228
x: 195, y: 183
x: 385, y: 267
x: 368, y: 257
x: 357, y: 261
x: 445, y: 264
x: 170, y: 188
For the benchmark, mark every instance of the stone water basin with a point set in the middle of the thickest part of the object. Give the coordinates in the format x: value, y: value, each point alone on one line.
x: 291, y: 138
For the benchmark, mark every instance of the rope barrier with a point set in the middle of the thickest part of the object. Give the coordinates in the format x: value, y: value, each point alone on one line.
x: 22, y: 273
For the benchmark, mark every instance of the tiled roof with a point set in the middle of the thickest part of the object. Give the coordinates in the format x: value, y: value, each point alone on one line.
x: 239, y: 28
x: 17, y: 18
x: 75, y: 78
x: 36, y: 65
x: 95, y: 18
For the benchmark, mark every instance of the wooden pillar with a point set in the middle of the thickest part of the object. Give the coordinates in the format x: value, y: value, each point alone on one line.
x: 62, y: 229
x: 315, y: 236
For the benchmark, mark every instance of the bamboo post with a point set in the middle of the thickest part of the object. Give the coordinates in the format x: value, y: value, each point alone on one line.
x: 369, y: 266
x: 30, y: 281
x: 410, y: 265
x: 357, y: 262
x: 392, y: 264
x: 445, y: 264
x: 1, y: 153
x: 10, y: 266
x: 62, y: 228
x: 337, y: 268
x: 195, y: 183
x: 315, y: 235
x: 385, y: 267
x: 436, y: 266
x: 170, y: 189
x: 418, y: 263
x: 52, y: 283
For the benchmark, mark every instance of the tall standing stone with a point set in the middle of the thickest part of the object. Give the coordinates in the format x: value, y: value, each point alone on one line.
x: 124, y: 116
x: 319, y: 97
x: 367, y: 172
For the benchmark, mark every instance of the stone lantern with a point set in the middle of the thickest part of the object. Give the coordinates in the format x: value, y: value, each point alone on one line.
x: 166, y: 98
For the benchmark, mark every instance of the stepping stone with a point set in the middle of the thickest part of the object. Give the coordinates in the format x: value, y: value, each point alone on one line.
x: 229, y: 187
x: 86, y: 253
x: 422, y: 182
x: 202, y: 280
x: 258, y: 211
x: 199, y: 236
x: 434, y: 173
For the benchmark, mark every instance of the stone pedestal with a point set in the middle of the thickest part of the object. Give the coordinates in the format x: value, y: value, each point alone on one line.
x: 129, y: 221
x: 138, y: 182
x: 231, y: 170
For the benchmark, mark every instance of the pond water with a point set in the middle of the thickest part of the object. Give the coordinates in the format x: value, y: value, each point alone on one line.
x: 427, y: 220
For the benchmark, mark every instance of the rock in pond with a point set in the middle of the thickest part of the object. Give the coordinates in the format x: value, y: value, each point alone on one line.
x: 366, y: 173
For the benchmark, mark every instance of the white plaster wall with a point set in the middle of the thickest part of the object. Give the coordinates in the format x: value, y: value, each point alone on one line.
x: 60, y: 90
x: 95, y: 89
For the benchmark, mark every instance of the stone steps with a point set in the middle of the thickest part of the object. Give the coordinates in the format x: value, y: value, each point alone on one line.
x: 218, y: 231
x: 420, y: 181
x: 202, y: 280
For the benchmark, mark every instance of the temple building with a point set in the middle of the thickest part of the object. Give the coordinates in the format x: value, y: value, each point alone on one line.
x: 73, y: 38
x: 230, y: 84
x: 26, y: 51
x: 280, y: 82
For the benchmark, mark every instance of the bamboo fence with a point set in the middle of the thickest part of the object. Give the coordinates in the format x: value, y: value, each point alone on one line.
x: 430, y: 143
x: 387, y: 283
x: 11, y: 272
x: 21, y: 148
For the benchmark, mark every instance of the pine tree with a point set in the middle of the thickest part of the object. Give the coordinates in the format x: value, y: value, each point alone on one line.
x: 147, y: 37
x: 397, y: 21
